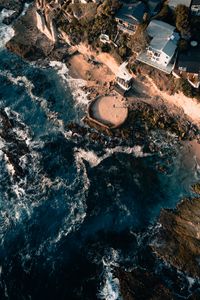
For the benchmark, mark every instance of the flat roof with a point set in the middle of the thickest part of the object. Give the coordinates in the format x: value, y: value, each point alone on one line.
x: 123, y: 73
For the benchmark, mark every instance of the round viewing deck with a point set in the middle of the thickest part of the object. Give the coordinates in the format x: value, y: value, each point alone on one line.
x: 109, y: 111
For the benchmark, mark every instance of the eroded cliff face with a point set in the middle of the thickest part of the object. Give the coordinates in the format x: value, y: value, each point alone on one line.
x: 177, y: 240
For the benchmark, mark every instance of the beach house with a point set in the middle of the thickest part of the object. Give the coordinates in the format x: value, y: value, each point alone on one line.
x: 129, y: 16
x: 162, y: 47
x: 123, y: 77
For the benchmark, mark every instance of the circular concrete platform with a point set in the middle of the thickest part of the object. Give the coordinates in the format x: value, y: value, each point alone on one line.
x: 109, y: 110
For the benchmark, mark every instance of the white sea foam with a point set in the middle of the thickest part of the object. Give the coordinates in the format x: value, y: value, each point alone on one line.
x: 191, y: 281
x: 29, y: 86
x: 76, y: 205
x: 75, y: 85
x: 26, y: 6
x: 6, y: 31
x: 110, y: 289
x: 9, y: 166
x: 94, y: 160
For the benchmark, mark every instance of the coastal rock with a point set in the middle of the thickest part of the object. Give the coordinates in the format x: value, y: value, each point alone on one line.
x: 28, y: 41
x: 142, y: 285
x: 177, y: 239
x: 15, y: 5
x: 144, y: 118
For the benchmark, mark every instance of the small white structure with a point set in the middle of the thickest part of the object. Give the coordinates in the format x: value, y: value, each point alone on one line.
x: 123, y: 77
x: 164, y: 42
x: 195, y: 8
x: 104, y: 38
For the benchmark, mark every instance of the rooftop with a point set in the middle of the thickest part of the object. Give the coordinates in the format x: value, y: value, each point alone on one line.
x: 160, y: 29
x: 154, y: 6
x: 195, y: 2
x: 123, y: 73
x: 174, y: 3
x: 164, y: 37
x: 190, y: 60
x: 132, y: 13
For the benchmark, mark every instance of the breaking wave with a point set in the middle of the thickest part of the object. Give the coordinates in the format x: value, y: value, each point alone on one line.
x: 75, y: 85
x: 94, y: 160
x: 109, y: 289
x: 29, y: 87
x: 6, y: 31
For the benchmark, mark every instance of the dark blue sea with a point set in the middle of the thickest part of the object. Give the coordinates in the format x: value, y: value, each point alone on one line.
x: 72, y: 210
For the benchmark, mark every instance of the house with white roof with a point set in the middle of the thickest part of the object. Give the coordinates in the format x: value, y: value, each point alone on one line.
x: 123, y: 77
x: 162, y: 47
x: 164, y: 42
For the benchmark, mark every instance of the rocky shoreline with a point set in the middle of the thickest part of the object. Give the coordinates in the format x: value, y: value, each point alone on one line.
x: 177, y: 241
x: 176, y: 237
x: 16, y: 5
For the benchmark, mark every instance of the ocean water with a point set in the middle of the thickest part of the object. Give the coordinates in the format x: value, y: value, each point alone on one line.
x: 72, y: 211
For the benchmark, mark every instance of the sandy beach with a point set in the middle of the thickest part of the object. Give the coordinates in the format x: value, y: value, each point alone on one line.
x: 189, y: 106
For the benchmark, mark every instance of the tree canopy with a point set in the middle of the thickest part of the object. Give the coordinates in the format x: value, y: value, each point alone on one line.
x: 182, y: 14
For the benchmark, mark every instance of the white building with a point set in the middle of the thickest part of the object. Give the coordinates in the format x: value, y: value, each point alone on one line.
x: 123, y: 77
x: 195, y: 8
x: 163, y: 44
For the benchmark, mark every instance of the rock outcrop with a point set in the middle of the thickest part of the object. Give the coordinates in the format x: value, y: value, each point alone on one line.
x: 28, y: 41
x: 16, y: 6
x: 177, y: 240
x: 45, y: 15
